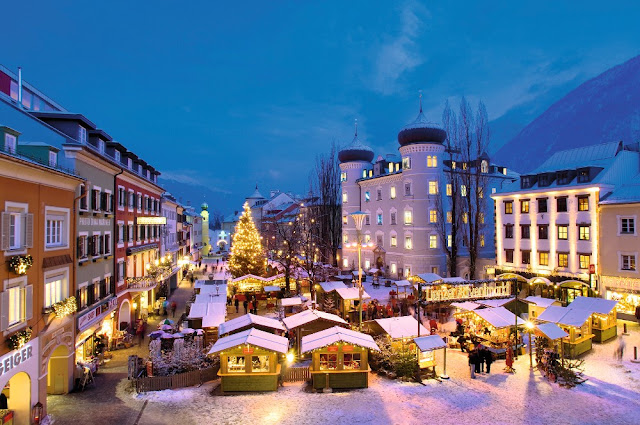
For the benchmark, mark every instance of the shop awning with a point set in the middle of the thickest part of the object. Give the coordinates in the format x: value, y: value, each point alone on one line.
x: 334, y: 335
x: 308, y: 316
x: 565, y: 316
x: 332, y: 285
x: 467, y: 305
x: 551, y: 331
x: 352, y: 294
x: 430, y: 342
x: 252, y: 336
x: 499, y: 302
x: 499, y: 317
x: 248, y: 320
x: 401, y: 327
x: 594, y: 305
x: 540, y: 301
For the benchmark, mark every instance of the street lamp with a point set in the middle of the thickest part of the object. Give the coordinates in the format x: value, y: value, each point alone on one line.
x: 358, y: 219
x: 530, y: 326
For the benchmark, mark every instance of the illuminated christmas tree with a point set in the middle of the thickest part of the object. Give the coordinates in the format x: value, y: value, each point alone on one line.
x: 247, y: 256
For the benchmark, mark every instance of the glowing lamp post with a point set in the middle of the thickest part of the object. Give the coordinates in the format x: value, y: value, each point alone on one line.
x: 358, y: 219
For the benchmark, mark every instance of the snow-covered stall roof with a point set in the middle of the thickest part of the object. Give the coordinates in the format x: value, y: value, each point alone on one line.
x: 453, y: 280
x: 212, y: 314
x: 467, y: 305
x: 343, y: 276
x: 373, y: 270
x: 540, y: 301
x: 429, y: 278
x: 332, y: 285
x: 499, y: 317
x: 206, y: 283
x: 307, y: 316
x: 334, y: 335
x: 198, y: 310
x: 565, y: 316
x: 594, y: 305
x: 288, y: 302
x: 215, y: 289
x: 211, y: 297
x: 551, y: 331
x: 252, y: 336
x: 352, y: 294
x: 430, y: 342
x: 248, y: 320
x: 401, y: 327
x: 402, y: 283
x: 498, y: 302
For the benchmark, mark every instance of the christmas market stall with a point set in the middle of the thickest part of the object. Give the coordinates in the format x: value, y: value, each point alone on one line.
x: 339, y: 358
x: 538, y: 304
x: 404, y: 285
x: 348, y: 299
x: 326, y: 292
x: 491, y: 327
x: 427, y: 346
x: 603, y: 316
x: 250, y: 360
x: 308, y: 322
x: 211, y: 287
x: 252, y: 284
x: 548, y: 344
x: 208, y: 317
x: 576, y: 322
x: 249, y: 320
x: 291, y: 305
x: 400, y: 330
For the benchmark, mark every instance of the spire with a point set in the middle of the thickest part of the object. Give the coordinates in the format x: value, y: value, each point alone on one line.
x: 356, y: 127
x: 420, y: 91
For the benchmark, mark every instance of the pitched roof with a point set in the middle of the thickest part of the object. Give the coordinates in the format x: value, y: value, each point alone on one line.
x: 565, y: 316
x: 540, y: 301
x: 593, y: 305
x: 307, y: 316
x: 429, y: 277
x: 551, y: 331
x: 580, y: 157
x: 430, y: 342
x: 334, y: 335
x: 499, y: 317
x: 332, y: 285
x: 497, y: 302
x: 352, y: 294
x: 467, y: 305
x: 401, y: 327
x: 288, y: 302
x: 252, y: 336
x: 248, y: 320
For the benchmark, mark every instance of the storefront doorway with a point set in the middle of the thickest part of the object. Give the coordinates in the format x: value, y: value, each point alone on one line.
x: 58, y: 371
x: 124, y: 315
x: 18, y: 393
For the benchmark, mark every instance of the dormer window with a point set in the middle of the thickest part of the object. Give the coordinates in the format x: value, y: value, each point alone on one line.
x: 53, y: 159
x: 101, y: 146
x: 563, y: 177
x: 10, y: 143
x: 583, y: 175
x: 139, y: 168
x: 543, y: 180
x: 130, y: 163
x: 117, y: 155
x: 83, y: 135
x: 484, y: 166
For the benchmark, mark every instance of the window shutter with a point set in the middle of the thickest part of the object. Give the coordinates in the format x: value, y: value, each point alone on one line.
x: 28, y: 231
x: 90, y: 294
x: 4, y: 310
x: 6, y: 223
x: 103, y: 201
x: 79, y: 247
x: 101, y: 245
x: 28, y: 296
x: 111, y: 203
x: 78, y: 302
x: 90, y: 245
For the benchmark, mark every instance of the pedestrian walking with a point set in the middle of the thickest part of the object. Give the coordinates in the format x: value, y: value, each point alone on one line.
x: 174, y: 306
x: 139, y: 332
x: 250, y: 306
x: 236, y: 303
x: 165, y: 307
x: 488, y: 359
x: 481, y: 357
x: 462, y: 340
x: 621, y: 346
x: 509, y: 360
x: 245, y: 303
x: 472, y: 365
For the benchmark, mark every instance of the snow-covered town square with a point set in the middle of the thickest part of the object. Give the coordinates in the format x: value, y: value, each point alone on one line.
x: 368, y: 212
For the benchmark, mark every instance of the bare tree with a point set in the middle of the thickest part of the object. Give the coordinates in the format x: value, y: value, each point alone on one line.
x: 215, y: 219
x: 286, y: 244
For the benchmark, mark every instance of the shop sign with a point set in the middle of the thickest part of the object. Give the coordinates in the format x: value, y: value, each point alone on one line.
x: 247, y: 350
x: 623, y: 283
x: 90, y: 221
x: 347, y: 348
x: 460, y: 292
x: 151, y: 220
x: 592, y: 268
x: 332, y: 348
x: 15, y: 358
x: 90, y: 317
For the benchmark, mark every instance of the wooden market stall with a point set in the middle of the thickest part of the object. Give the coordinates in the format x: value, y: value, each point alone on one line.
x: 427, y: 346
x: 339, y: 358
x: 291, y: 305
x: 307, y: 322
x: 491, y: 327
x: 576, y: 322
x: 249, y: 320
x: 348, y: 299
x: 400, y: 330
x: 549, y: 351
x: 327, y: 290
x: 252, y: 284
x: 538, y: 304
x: 250, y: 360
x: 603, y: 316
x: 208, y: 317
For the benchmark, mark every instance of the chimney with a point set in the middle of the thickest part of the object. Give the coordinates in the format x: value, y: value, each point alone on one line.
x: 20, y: 86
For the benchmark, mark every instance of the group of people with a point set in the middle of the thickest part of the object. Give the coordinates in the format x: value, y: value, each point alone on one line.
x: 250, y: 303
x: 479, y: 357
x: 375, y: 310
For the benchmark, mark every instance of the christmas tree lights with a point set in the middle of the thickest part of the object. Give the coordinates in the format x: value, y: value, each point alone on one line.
x: 247, y: 256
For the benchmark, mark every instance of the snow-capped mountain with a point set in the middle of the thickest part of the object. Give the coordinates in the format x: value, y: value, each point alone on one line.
x: 603, y: 109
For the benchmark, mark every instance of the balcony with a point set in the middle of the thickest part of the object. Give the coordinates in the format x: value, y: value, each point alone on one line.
x: 140, y: 284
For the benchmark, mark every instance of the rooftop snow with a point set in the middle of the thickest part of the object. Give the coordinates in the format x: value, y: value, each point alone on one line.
x: 248, y: 320
x: 252, y: 336
x: 593, y: 305
x: 288, y: 302
x: 579, y: 157
x: 499, y: 317
x: 539, y: 301
x: 430, y: 342
x: 352, y: 294
x: 467, y: 305
x: 551, y: 331
x: 498, y: 302
x: 565, y: 316
x: 429, y: 277
x: 401, y: 327
x: 337, y: 334
x: 332, y: 285
x: 307, y: 316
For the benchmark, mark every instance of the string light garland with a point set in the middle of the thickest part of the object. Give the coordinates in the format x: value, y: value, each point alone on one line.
x: 19, y: 264
x: 19, y: 339
x: 247, y: 255
x: 65, y: 307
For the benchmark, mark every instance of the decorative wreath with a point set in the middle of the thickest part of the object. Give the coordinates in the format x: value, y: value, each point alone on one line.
x: 19, y: 264
x: 19, y: 339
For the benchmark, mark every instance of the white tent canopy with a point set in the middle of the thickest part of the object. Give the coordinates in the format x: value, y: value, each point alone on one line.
x: 255, y: 337
x: 551, y: 331
x: 352, y: 294
x: 565, y: 316
x: 401, y: 327
x: 540, y: 301
x: 248, y: 320
x: 499, y: 317
x: 593, y: 305
x: 308, y: 316
x: 337, y: 334
x: 430, y: 342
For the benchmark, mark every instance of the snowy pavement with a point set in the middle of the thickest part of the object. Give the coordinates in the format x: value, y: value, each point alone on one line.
x: 611, y: 396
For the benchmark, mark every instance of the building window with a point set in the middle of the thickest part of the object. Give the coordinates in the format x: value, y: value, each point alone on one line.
x: 53, y: 159
x: 364, y: 174
x: 542, y: 205
x: 407, y: 271
x: 508, y: 207
x: 345, y: 219
x: 379, y: 219
x: 628, y: 262
x: 394, y: 240
x: 343, y: 176
x: 54, y: 231
x: 524, y: 206
x: 449, y: 189
x: 432, y: 161
x: 83, y: 135
x: 484, y: 166
x: 585, y: 260
x: 379, y: 194
x: 10, y: 143
x: 367, y: 196
x: 433, y: 187
x: 344, y: 197
x: 561, y: 204
x: 345, y: 262
x: 407, y: 189
x: 583, y: 203
x: 583, y: 176
x: 526, y: 257
x: 449, y: 240
x: 55, y: 289
x: 433, y: 241
x: 508, y: 256
x: 508, y: 231
x: 120, y: 232
x: 465, y: 217
x: 17, y: 229
x: 132, y: 200
x: 584, y: 233
x: 449, y: 217
x: 543, y: 258
x: 345, y: 239
x: 83, y: 197
x: 408, y: 242
x: 394, y: 268
x: 393, y: 217
x: 17, y: 301
x: 392, y: 192
x: 433, y: 216
x: 482, y: 240
x: 481, y: 217
x: 130, y: 233
x: 627, y: 226
x: 543, y: 232
x: 563, y: 232
x: 563, y: 259
x: 408, y: 217
x: 406, y: 163
x: 367, y: 220
x: 525, y: 231
x: 107, y: 243
x: 463, y: 190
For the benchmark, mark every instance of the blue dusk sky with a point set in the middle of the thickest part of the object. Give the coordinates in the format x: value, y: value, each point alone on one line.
x: 221, y: 95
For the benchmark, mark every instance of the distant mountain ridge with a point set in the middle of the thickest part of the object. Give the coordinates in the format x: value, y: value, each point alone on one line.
x: 603, y: 109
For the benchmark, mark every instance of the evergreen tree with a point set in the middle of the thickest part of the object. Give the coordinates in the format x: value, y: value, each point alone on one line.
x: 247, y: 256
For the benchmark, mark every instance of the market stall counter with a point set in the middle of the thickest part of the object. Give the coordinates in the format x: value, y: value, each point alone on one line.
x: 576, y: 323
x: 491, y: 327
